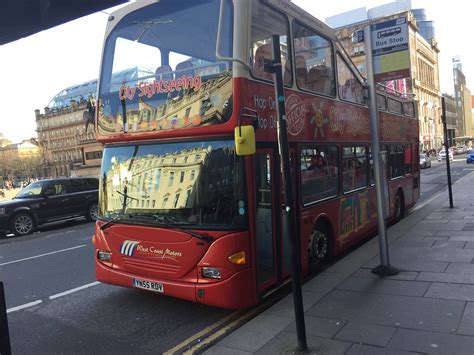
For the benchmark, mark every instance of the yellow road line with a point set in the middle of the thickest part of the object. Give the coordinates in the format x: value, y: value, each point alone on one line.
x: 201, y: 333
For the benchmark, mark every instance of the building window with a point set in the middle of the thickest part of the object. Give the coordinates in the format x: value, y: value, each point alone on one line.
x: 171, y: 178
x: 181, y: 178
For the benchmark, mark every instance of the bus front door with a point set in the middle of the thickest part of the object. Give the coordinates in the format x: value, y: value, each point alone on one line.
x: 273, y: 262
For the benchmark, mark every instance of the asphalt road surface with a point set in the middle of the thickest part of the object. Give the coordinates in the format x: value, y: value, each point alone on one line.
x: 55, y: 305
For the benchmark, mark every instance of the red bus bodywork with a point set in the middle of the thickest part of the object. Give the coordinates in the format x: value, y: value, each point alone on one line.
x: 175, y: 260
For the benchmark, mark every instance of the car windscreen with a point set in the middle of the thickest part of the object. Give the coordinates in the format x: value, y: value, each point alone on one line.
x: 35, y: 189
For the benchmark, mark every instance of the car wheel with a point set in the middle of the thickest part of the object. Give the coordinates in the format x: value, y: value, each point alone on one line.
x: 22, y: 224
x: 92, y: 212
x: 318, y: 248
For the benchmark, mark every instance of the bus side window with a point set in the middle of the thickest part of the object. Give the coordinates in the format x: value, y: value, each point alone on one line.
x: 314, y: 63
x: 267, y: 22
x: 319, y: 178
x: 350, y: 89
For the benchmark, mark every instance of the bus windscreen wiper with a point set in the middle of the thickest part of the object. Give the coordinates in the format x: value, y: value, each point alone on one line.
x: 163, y: 221
x: 113, y: 220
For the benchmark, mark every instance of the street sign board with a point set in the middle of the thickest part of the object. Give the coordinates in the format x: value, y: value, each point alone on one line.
x: 358, y: 36
x: 390, y: 53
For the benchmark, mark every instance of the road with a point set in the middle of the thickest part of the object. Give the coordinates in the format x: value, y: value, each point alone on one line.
x: 55, y: 306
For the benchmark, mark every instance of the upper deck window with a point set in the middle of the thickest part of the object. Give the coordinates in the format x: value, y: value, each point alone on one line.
x: 313, y: 61
x: 160, y: 71
x: 267, y: 22
x: 349, y: 87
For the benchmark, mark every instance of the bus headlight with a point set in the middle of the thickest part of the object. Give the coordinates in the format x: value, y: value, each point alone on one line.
x: 211, y: 272
x: 2, y: 211
x: 104, y: 255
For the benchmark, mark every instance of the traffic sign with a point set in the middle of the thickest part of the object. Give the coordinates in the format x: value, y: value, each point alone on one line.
x: 389, y: 36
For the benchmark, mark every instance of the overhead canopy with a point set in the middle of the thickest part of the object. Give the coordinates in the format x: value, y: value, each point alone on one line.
x: 22, y: 18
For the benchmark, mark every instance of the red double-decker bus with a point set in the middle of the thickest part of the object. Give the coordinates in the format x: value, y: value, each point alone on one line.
x: 189, y: 207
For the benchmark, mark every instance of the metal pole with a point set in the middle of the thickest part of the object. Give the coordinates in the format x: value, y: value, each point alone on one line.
x: 288, y: 191
x: 446, y: 147
x: 384, y: 269
x: 4, y: 334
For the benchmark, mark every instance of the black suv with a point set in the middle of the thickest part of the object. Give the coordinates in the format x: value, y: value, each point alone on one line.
x: 48, y: 201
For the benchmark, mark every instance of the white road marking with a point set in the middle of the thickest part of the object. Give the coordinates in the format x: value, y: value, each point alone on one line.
x: 73, y: 290
x: 23, y: 306
x: 34, y: 303
x: 41, y: 255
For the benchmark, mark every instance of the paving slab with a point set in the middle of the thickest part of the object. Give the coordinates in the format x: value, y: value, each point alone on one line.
x: 460, y: 268
x: 385, y: 286
x: 222, y: 350
x: 285, y: 308
x: 446, y: 277
x: 402, y: 275
x: 256, y: 333
x: 431, y: 342
x: 407, y: 264
x: 451, y: 291
x: 283, y: 344
x: 467, y: 321
x: 469, y: 245
x: 423, y: 313
x: 324, y: 282
x: 372, y: 334
x: 449, y: 244
x: 319, y: 327
x: 362, y: 349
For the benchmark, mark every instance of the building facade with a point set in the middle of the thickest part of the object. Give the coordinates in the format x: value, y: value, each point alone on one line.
x: 451, y: 117
x: 423, y: 82
x: 69, y: 149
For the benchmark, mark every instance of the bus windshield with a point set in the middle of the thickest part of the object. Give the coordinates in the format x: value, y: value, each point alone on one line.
x: 160, y: 71
x: 196, y: 184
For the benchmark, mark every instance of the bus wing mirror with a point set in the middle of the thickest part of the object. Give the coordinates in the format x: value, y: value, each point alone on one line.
x: 244, y: 140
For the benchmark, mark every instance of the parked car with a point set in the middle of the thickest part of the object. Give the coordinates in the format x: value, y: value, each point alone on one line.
x: 48, y: 201
x: 470, y: 157
x: 442, y: 155
x: 425, y: 161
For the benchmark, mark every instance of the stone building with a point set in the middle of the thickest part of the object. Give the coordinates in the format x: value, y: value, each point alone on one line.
x: 68, y: 148
x: 423, y: 82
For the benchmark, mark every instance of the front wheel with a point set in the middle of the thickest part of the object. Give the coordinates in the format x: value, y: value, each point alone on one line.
x: 92, y: 212
x: 22, y: 224
x: 318, y: 248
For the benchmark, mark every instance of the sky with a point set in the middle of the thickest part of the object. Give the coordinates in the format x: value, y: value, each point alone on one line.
x: 34, y: 69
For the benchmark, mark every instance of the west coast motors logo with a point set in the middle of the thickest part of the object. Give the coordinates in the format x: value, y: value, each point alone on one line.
x: 134, y: 248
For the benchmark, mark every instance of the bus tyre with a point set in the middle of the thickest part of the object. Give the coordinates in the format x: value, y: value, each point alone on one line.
x: 92, y: 212
x: 22, y: 224
x: 318, y: 248
x: 399, y: 207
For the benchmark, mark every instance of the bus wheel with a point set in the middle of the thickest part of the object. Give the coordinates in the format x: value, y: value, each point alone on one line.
x: 399, y: 207
x: 318, y: 248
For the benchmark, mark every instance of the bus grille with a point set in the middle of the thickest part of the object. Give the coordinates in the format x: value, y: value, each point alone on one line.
x: 153, y: 266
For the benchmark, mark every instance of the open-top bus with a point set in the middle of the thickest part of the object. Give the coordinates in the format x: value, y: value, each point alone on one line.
x: 181, y: 213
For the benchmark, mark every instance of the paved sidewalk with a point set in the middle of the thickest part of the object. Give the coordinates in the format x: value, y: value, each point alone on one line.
x: 426, y: 308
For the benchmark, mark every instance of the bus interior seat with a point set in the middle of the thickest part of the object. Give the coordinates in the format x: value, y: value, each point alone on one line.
x: 164, y: 72
x: 301, y: 72
x: 319, y: 79
x: 262, y: 53
x: 287, y: 75
x: 185, y: 68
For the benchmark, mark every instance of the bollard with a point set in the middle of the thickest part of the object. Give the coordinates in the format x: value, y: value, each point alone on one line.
x: 4, y: 335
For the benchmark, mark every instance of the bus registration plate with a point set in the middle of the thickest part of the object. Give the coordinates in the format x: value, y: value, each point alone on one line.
x: 148, y: 285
